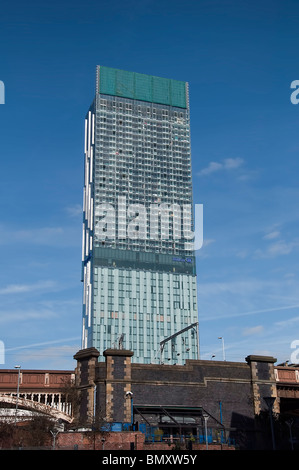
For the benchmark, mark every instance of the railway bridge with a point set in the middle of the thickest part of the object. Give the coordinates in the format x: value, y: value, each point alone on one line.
x: 27, y: 392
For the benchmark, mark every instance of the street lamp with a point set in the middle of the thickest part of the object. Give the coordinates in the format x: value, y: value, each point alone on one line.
x: 206, y: 417
x: 130, y: 395
x: 223, y: 351
x: 290, y: 423
x: 270, y: 402
x: 54, y: 433
x: 94, y: 405
x: 18, y: 386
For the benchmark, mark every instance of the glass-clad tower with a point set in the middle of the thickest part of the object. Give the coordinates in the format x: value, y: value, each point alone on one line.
x: 138, y: 263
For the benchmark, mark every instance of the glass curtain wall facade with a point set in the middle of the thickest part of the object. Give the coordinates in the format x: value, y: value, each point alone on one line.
x: 138, y: 268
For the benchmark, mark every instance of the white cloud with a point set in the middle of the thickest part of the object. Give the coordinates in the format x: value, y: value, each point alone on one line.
x: 202, y: 253
x: 228, y: 164
x: 208, y: 241
x: 282, y: 248
x: 278, y: 248
x: 23, y: 288
x: 75, y: 210
x: 44, y: 343
x: 50, y: 236
x: 46, y: 354
x: 272, y: 235
x: 39, y: 235
x: 24, y: 316
x: 213, y: 166
x: 250, y: 312
x: 233, y: 287
x: 293, y: 322
x: 255, y: 330
x: 231, y: 163
x: 236, y: 299
x: 54, y: 356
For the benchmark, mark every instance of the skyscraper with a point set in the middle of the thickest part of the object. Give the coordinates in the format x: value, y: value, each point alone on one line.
x: 138, y: 263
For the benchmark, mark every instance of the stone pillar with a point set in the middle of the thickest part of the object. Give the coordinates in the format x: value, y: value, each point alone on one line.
x: 118, y: 383
x: 263, y: 382
x: 87, y: 360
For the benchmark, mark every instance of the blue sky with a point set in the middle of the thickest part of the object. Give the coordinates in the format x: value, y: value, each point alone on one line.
x: 239, y: 58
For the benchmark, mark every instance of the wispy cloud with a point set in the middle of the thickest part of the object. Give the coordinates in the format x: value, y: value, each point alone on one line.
x: 282, y: 248
x: 251, y: 312
x: 39, y: 235
x: 53, y: 353
x: 24, y: 288
x: 255, y: 330
x: 288, y: 322
x: 74, y: 210
x: 272, y: 235
x: 278, y: 247
x: 44, y: 343
x: 202, y: 253
x: 226, y: 165
x: 236, y: 299
x: 22, y: 315
x: 49, y: 236
x: 53, y: 356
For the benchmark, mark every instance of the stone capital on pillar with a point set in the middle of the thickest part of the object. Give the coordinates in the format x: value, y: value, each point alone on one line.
x: 87, y: 360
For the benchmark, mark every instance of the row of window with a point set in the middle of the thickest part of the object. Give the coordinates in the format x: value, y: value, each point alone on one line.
x: 129, y: 107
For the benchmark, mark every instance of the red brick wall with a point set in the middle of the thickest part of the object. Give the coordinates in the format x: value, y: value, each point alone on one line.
x: 119, y: 441
x: 90, y: 440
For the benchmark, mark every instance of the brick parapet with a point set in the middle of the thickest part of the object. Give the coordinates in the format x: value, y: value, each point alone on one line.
x: 229, y: 391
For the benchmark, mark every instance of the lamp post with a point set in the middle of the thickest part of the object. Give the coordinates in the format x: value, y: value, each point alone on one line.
x: 270, y: 402
x: 94, y: 405
x: 130, y: 395
x: 206, y: 417
x: 290, y: 423
x: 223, y: 350
x: 18, y: 387
x: 54, y: 433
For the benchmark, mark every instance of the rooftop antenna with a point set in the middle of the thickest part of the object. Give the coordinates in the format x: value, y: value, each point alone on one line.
x: 120, y: 341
